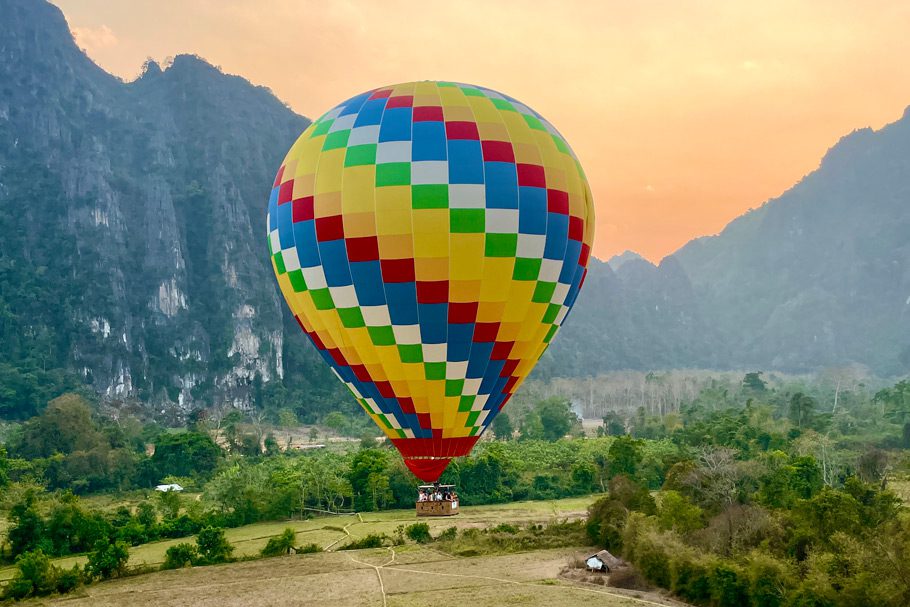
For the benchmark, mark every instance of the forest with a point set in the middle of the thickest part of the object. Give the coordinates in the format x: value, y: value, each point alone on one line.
x: 777, y: 491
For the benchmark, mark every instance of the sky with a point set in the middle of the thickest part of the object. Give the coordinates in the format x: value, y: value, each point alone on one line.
x: 684, y: 114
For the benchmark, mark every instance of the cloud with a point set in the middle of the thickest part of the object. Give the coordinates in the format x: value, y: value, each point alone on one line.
x: 95, y: 38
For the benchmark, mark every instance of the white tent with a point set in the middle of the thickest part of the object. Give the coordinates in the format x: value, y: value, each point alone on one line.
x: 170, y: 487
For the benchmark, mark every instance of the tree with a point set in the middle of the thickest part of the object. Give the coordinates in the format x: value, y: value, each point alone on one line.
x: 606, y: 521
x: 213, y: 546
x: 108, y: 559
x: 186, y: 454
x: 614, y: 424
x: 895, y: 401
x: 625, y: 456
x: 337, y: 421
x: 66, y: 426
x: 27, y: 529
x: 556, y: 417
x: 802, y: 410
x: 531, y: 427
x: 502, y: 426
x: 873, y: 465
x: 678, y: 514
x: 180, y: 555
x: 368, y: 468
x: 169, y: 504
x: 287, y: 419
x: 753, y: 381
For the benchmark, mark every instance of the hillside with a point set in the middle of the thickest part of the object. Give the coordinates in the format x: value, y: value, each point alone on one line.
x: 132, y: 216
x: 818, y: 277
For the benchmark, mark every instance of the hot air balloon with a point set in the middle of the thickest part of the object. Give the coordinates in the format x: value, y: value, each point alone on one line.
x: 430, y: 239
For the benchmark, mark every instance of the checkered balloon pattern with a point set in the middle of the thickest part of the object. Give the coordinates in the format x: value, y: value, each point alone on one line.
x: 430, y: 239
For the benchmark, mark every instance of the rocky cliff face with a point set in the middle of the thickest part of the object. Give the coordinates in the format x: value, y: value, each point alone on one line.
x: 137, y: 210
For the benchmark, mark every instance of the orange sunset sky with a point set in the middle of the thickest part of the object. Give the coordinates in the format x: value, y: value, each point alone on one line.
x: 684, y: 114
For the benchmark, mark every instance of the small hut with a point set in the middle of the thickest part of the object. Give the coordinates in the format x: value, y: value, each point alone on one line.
x: 604, y: 562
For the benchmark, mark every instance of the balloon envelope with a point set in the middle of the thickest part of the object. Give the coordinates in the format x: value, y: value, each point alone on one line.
x: 430, y: 238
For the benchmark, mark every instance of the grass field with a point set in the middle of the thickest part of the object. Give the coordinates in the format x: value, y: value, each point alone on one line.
x: 407, y: 576
x: 331, y: 532
x: 404, y: 576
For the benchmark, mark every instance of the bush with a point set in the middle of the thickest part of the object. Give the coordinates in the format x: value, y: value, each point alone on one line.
x: 505, y: 528
x: 281, y: 544
x: 606, y: 520
x: 678, y: 514
x: 419, y: 532
x: 35, y: 576
x: 690, y: 578
x: 309, y: 549
x: 373, y: 540
x: 107, y: 559
x: 448, y: 535
x: 180, y: 555
x: 729, y: 586
x: 69, y: 579
x: 632, y: 495
x: 213, y: 546
x: 653, y: 562
x: 769, y: 581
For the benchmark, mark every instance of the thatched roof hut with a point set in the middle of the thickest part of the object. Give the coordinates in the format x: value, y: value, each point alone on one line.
x: 605, y: 562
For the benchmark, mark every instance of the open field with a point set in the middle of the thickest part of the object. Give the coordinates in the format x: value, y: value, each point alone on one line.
x: 408, y: 576
x: 404, y: 576
x: 331, y: 532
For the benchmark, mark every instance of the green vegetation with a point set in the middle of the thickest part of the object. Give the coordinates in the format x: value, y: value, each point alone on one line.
x: 281, y: 544
x: 767, y: 501
x: 753, y: 481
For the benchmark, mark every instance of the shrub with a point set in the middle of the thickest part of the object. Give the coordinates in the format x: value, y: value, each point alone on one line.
x: 678, y: 514
x: 213, y: 546
x: 505, y: 528
x: 35, y: 576
x: 653, y: 562
x: 632, y: 495
x: 729, y: 586
x: 419, y: 532
x: 448, y: 535
x: 690, y: 578
x: 280, y: 544
x: 769, y: 581
x: 309, y: 549
x: 69, y: 579
x: 606, y: 520
x: 180, y: 555
x: 107, y: 559
x: 373, y: 540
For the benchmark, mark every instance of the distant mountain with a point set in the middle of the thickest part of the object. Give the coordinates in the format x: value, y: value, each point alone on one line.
x: 618, y: 261
x: 132, y: 255
x: 817, y: 277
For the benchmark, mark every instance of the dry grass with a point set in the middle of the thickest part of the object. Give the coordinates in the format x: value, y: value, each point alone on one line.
x: 326, y: 531
x: 417, y: 576
x: 411, y: 577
